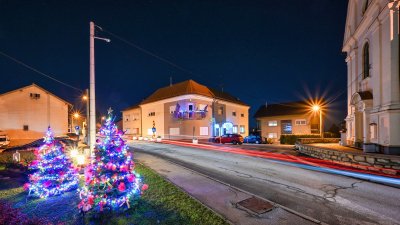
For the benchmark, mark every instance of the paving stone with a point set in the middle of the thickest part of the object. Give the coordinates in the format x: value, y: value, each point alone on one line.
x: 370, y: 160
x: 383, y: 160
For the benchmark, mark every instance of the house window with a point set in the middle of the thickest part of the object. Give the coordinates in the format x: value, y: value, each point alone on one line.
x: 135, y: 116
x: 366, y: 61
x: 202, y: 106
x: 272, y: 135
x: 373, y: 131
x: 127, y: 117
x: 150, y: 131
x: 233, y: 113
x: 135, y: 131
x: 35, y: 96
x: 26, y: 127
x: 242, y: 115
x: 242, y: 129
x: 300, y: 122
x: 273, y: 123
x: 204, y: 131
x: 235, y: 129
x: 174, y: 131
x: 220, y: 110
x: 172, y: 109
x: 152, y: 113
x: 190, y: 107
x: 286, y: 126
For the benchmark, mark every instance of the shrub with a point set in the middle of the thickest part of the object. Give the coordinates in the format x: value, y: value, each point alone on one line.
x: 290, y: 139
x: 26, y: 158
x: 11, y: 216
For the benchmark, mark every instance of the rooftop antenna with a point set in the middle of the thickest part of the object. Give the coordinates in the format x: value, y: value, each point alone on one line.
x: 222, y: 87
x: 170, y: 81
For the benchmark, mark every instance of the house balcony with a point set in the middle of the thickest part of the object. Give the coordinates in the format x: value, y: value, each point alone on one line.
x: 189, y: 115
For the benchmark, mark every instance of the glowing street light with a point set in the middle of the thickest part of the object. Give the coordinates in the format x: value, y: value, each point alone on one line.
x: 76, y: 115
x: 317, y: 108
x: 73, y: 153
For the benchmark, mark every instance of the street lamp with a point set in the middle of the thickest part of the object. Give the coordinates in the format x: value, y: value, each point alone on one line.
x: 317, y: 108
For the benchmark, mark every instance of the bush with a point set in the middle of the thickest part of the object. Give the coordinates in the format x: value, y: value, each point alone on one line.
x: 290, y: 139
x: 26, y: 158
x: 12, y: 216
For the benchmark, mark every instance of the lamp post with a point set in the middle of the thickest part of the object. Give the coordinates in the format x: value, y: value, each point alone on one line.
x: 317, y: 108
x: 92, y: 104
x: 86, y: 99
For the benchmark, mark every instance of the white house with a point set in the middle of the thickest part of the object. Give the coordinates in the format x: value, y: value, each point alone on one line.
x: 186, y: 110
x: 25, y: 113
x: 371, y: 42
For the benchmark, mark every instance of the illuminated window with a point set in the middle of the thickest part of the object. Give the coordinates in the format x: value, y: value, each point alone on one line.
x: 235, y: 129
x: 242, y: 129
x: 172, y: 109
x: 273, y: 123
x: 373, y: 130
x: 203, y: 131
x: 272, y: 135
x: 366, y: 61
x: 221, y: 110
x: 301, y: 122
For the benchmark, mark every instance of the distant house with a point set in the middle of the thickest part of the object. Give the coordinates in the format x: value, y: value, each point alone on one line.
x: 286, y: 118
x: 186, y: 110
x: 371, y: 42
x: 25, y: 113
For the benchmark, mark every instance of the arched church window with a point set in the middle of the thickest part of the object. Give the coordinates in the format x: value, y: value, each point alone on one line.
x: 366, y: 60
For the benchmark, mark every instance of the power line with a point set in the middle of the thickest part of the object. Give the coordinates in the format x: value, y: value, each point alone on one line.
x: 39, y: 72
x: 148, y: 52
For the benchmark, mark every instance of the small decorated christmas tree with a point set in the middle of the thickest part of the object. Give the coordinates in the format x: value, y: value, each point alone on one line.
x: 111, y: 180
x: 54, y: 173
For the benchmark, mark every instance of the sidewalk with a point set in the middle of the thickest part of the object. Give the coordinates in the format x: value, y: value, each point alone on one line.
x: 217, y: 196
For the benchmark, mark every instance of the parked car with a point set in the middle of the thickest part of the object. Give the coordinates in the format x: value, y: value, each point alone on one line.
x: 229, y: 138
x: 253, y: 139
x: 4, y: 141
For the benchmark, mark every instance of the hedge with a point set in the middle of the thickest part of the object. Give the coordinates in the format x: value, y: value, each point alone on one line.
x: 7, y: 160
x: 290, y: 139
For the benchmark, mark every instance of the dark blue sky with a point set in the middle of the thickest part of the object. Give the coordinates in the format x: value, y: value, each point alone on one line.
x: 259, y: 51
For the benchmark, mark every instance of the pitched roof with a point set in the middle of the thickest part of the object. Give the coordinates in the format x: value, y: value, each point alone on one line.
x: 288, y: 108
x: 132, y: 107
x: 37, y: 86
x: 190, y: 87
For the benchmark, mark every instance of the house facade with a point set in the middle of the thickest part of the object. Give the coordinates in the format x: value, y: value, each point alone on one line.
x: 287, y: 118
x: 189, y: 110
x: 132, y: 120
x: 25, y: 113
x: 371, y: 42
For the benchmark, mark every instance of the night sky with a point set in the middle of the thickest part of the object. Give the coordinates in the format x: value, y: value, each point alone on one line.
x: 260, y: 51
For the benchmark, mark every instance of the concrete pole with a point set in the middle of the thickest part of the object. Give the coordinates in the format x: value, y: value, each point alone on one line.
x: 87, y: 118
x: 321, y: 129
x: 92, y: 104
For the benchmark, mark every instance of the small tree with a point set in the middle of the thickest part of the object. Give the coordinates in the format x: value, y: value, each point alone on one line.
x: 111, y: 180
x: 54, y: 173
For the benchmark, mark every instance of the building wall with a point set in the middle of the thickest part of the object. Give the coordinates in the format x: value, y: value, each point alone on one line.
x: 17, y: 109
x: 132, y: 122
x: 164, y: 120
x: 373, y: 121
x: 266, y: 130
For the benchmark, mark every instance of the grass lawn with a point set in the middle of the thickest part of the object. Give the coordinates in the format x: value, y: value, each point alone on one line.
x: 162, y: 203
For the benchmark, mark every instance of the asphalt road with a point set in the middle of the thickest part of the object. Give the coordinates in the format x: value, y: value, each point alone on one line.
x: 330, y: 198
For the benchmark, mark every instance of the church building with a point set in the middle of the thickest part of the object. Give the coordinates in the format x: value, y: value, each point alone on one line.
x: 371, y: 42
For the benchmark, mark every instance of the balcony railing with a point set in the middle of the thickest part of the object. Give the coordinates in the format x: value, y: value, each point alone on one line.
x: 190, y: 115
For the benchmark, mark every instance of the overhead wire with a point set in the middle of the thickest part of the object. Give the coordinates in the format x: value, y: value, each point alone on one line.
x: 39, y: 72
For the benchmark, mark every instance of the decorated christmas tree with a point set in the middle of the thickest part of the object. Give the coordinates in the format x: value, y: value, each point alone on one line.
x: 54, y: 173
x: 111, y: 180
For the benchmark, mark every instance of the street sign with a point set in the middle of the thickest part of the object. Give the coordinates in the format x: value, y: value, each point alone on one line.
x: 76, y: 127
x: 153, y: 129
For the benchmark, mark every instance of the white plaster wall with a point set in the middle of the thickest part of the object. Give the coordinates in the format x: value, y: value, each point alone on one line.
x: 18, y: 109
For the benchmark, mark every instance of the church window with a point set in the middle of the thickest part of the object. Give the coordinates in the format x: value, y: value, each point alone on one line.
x: 366, y: 61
